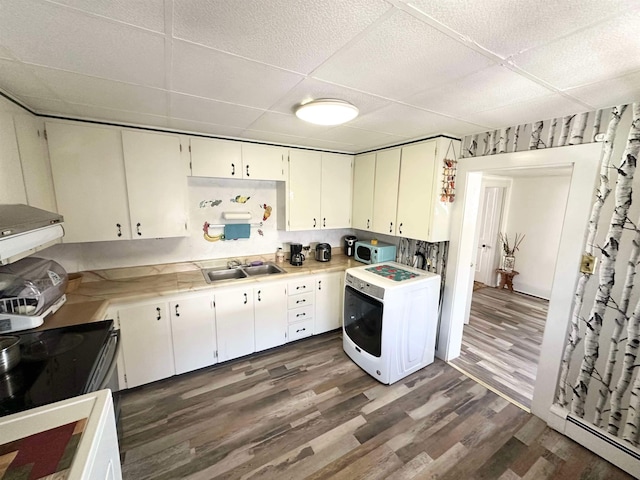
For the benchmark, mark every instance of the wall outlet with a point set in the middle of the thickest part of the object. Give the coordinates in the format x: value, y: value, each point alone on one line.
x: 588, y: 264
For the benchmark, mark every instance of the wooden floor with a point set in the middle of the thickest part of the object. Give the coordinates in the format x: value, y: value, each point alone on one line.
x: 501, y: 343
x: 306, y: 411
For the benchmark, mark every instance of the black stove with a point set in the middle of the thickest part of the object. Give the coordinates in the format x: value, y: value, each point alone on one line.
x: 55, y: 365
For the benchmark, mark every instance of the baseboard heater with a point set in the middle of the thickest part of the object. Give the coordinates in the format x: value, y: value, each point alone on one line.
x: 607, y: 446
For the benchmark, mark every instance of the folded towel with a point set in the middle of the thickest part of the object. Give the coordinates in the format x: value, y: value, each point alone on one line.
x: 234, y: 231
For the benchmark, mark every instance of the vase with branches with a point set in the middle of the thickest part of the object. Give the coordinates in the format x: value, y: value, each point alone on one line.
x: 509, y: 248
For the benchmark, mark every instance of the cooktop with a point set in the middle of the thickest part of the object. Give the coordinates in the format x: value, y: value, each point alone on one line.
x: 55, y: 364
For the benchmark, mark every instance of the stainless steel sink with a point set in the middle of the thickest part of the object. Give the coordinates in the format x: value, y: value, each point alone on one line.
x: 266, y: 269
x: 212, y: 275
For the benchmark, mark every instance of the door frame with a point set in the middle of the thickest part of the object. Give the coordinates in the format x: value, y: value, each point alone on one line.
x: 585, y: 160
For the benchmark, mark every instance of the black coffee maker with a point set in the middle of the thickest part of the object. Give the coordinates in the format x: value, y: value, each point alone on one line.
x: 297, y: 257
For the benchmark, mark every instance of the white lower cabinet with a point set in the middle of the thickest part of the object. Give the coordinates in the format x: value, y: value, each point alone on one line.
x: 193, y: 330
x: 270, y: 315
x: 328, y: 300
x: 300, y: 308
x: 146, y: 343
x: 235, y: 327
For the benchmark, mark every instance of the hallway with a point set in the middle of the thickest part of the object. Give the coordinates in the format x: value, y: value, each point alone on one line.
x: 501, y: 343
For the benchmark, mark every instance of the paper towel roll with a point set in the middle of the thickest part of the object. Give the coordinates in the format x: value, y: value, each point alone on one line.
x: 236, y: 215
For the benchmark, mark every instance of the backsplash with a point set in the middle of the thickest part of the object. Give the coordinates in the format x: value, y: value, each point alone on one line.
x: 208, y: 199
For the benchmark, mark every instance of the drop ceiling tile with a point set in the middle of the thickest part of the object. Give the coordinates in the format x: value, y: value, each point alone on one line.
x: 202, y: 127
x: 615, y: 91
x: 610, y: 49
x: 310, y: 89
x: 209, y: 111
x: 19, y: 80
x: 58, y: 37
x: 208, y: 73
x: 82, y: 89
x: 543, y: 108
x: 5, y: 53
x: 147, y: 14
x: 119, y: 116
x: 492, y: 87
x: 357, y: 136
x: 400, y: 57
x: 410, y: 122
x: 287, y: 124
x: 508, y: 27
x: 286, y: 33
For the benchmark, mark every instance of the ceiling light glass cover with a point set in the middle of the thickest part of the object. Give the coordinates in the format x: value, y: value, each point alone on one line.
x: 327, y: 111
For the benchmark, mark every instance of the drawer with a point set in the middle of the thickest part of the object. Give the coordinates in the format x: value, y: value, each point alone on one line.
x: 299, y: 314
x: 300, y: 330
x: 301, y: 300
x: 302, y: 285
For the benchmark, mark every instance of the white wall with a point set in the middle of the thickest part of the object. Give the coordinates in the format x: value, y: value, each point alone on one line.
x: 536, y: 209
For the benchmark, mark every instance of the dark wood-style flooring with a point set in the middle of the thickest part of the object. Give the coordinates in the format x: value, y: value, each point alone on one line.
x: 306, y: 411
x: 501, y: 343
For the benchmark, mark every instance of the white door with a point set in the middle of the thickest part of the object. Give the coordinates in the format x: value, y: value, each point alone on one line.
x: 215, y: 158
x: 146, y: 343
x: 364, y: 170
x: 328, y: 302
x: 305, y: 170
x: 235, y: 328
x: 488, y: 243
x: 263, y: 162
x: 193, y: 330
x: 337, y: 185
x: 270, y: 309
x: 385, y: 202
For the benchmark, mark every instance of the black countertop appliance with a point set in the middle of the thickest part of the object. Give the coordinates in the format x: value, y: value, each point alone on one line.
x: 350, y: 245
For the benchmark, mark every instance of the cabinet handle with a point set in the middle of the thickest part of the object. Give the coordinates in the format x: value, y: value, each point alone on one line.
x: 324, y: 222
x: 300, y: 315
x: 177, y: 313
x: 367, y: 223
x: 119, y: 229
x: 390, y: 227
x: 245, y: 299
x: 300, y: 330
x: 138, y: 229
x: 159, y: 317
x: 314, y: 223
x: 300, y: 286
x: 233, y: 169
x: 247, y: 170
x: 259, y: 296
x: 400, y: 229
x: 319, y: 284
x: 301, y: 301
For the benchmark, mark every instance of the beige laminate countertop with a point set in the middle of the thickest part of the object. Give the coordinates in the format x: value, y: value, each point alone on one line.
x: 89, y: 303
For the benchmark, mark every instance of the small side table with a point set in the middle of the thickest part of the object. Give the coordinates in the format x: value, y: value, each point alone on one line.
x: 506, y: 278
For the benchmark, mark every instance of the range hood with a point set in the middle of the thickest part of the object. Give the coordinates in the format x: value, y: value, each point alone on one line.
x: 25, y: 230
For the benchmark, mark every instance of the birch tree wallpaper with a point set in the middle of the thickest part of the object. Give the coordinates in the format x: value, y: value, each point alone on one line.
x: 599, y: 379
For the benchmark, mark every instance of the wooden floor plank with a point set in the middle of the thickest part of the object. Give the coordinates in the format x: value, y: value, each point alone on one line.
x: 306, y: 411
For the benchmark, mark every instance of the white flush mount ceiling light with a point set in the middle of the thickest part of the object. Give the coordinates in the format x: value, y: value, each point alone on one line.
x: 327, y: 111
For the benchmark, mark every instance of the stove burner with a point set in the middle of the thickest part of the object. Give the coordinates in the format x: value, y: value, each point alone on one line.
x: 44, y: 348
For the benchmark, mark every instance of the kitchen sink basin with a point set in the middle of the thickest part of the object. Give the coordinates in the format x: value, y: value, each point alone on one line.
x: 212, y: 275
x: 265, y: 269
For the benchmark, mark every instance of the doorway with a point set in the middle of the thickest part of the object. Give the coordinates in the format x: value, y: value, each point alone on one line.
x: 584, y: 161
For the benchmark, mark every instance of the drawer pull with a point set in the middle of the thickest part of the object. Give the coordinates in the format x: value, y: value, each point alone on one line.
x: 301, y: 301
x: 301, y: 286
x: 300, y: 314
x: 300, y: 330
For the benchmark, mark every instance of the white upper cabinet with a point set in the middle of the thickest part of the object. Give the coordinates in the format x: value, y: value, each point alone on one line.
x: 11, y: 180
x: 215, y: 158
x: 336, y: 186
x: 89, y: 178
x: 386, y: 191
x: 364, y: 170
x: 264, y: 162
x: 156, y: 184
x: 303, y: 201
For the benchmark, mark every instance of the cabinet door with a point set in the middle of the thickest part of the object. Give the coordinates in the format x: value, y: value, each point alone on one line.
x: 305, y: 169
x: 415, y: 193
x: 270, y: 307
x: 364, y: 169
x: 146, y: 343
x: 11, y: 181
x: 385, y: 202
x: 263, y: 162
x: 35, y: 162
x: 89, y: 180
x: 156, y: 184
x: 215, y: 158
x: 235, y: 328
x: 328, y: 302
x: 337, y: 185
x: 193, y: 330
